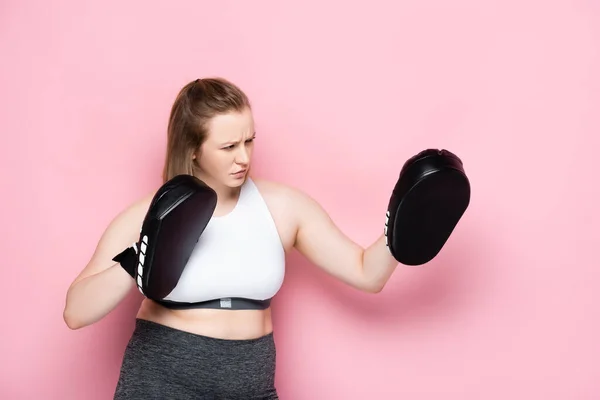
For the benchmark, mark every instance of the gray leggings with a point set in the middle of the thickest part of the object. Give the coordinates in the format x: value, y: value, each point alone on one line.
x: 165, y: 363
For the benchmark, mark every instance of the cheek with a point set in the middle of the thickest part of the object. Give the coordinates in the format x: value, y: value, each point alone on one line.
x: 216, y: 161
x: 207, y: 161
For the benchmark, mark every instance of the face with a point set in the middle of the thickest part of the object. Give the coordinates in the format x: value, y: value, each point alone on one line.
x: 225, y: 156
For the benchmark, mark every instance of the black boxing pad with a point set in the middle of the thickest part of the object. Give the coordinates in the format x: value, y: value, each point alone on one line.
x: 430, y: 197
x: 178, y: 214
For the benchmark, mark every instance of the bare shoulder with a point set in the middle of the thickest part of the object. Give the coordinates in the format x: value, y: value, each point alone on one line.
x: 297, y: 203
x: 124, y: 228
x: 275, y: 191
x: 285, y: 203
x: 285, y: 195
x: 130, y: 218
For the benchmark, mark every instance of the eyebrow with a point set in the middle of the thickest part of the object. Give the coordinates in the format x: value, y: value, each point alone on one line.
x: 237, y: 141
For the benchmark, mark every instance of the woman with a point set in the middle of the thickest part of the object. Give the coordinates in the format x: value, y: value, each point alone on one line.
x: 218, y: 353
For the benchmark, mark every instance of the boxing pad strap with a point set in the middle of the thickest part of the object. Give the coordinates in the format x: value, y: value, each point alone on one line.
x: 128, y: 259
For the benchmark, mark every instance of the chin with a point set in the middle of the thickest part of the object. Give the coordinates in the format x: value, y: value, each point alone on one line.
x: 236, y: 182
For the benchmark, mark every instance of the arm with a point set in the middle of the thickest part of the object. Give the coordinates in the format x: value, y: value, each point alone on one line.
x: 103, y: 284
x: 323, y: 243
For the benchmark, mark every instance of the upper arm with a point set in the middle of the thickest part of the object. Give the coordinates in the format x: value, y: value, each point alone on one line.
x: 121, y: 232
x: 321, y: 241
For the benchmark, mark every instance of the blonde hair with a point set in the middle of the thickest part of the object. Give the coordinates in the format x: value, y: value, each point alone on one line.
x: 194, y: 106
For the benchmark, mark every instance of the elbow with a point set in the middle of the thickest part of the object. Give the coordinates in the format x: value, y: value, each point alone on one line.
x: 375, y: 289
x: 372, y: 287
x: 74, y: 326
x: 71, y: 320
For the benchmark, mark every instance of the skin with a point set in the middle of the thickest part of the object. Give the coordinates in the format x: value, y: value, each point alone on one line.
x: 301, y: 222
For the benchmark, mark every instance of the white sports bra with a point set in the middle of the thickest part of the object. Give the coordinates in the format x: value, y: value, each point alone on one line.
x: 239, y: 260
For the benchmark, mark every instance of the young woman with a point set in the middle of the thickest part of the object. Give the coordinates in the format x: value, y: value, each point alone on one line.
x: 190, y: 353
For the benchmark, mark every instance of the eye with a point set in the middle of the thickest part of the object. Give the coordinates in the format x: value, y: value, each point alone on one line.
x: 230, y: 147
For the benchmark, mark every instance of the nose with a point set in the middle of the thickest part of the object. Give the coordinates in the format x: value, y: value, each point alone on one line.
x: 242, y: 156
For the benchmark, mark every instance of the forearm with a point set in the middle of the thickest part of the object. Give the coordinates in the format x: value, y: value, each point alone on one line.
x: 377, y: 265
x: 92, y: 298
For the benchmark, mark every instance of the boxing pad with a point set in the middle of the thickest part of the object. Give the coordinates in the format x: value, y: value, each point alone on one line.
x: 178, y: 214
x: 429, y: 198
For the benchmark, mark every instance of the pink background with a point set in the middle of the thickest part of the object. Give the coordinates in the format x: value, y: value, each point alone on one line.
x: 507, y: 310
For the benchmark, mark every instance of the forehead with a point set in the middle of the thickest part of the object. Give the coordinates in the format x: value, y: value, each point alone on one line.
x: 231, y: 126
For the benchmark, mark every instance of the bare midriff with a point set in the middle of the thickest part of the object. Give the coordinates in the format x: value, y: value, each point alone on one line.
x: 216, y: 323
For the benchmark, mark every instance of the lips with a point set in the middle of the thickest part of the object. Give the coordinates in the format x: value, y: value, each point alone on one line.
x: 239, y: 172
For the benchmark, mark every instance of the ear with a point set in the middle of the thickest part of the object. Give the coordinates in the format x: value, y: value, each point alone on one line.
x: 195, y: 157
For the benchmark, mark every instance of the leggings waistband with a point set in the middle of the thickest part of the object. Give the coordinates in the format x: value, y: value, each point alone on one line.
x: 154, y: 332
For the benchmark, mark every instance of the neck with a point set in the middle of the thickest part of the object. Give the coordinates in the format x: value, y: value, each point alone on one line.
x: 225, y: 194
